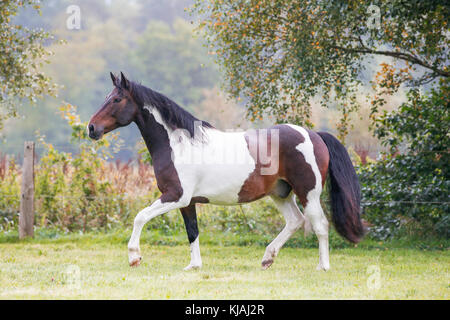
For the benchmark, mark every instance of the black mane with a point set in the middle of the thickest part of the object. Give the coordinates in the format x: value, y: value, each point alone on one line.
x: 173, y: 115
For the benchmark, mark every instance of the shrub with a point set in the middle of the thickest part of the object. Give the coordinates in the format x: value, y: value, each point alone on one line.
x: 410, y: 183
x: 85, y: 191
x: 9, y: 192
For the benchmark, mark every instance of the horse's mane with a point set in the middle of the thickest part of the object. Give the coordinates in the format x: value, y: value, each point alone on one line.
x: 172, y: 114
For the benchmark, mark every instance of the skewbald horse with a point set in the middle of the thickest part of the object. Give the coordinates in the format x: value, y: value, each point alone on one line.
x: 233, y: 168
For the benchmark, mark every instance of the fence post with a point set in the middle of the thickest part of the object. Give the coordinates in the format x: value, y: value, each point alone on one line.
x: 26, y: 216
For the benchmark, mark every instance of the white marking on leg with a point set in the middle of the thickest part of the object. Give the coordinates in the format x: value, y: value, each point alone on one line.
x: 196, y: 259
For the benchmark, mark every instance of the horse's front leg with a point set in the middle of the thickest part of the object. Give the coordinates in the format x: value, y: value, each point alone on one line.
x: 157, y: 208
x: 190, y: 221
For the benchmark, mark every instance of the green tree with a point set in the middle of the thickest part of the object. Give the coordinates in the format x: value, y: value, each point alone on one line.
x: 22, y: 55
x: 280, y: 54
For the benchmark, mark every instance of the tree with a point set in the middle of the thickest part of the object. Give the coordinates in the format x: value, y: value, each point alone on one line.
x: 22, y: 54
x: 280, y: 54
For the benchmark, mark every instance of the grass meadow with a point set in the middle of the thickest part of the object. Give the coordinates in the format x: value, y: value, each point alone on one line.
x: 94, y: 266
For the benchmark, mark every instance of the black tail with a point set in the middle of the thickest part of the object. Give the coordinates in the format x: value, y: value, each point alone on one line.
x: 345, y: 193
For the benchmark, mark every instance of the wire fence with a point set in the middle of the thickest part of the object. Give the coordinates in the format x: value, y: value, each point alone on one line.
x: 68, y: 197
x: 72, y: 213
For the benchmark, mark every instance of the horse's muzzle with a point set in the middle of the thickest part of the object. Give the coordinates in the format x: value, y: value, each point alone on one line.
x: 94, y: 133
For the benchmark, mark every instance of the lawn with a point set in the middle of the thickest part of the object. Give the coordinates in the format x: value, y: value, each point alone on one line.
x: 86, y: 267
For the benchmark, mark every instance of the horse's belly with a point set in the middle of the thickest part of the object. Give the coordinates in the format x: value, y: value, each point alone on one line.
x: 216, y: 170
x: 221, y: 185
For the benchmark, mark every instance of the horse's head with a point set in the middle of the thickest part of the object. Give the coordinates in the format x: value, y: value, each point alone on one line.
x: 118, y: 110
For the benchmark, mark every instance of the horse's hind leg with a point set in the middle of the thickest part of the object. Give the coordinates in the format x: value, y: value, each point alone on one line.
x: 190, y: 221
x: 294, y: 220
x: 314, y: 213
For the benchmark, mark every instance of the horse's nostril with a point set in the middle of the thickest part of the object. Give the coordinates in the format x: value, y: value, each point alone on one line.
x: 91, y: 128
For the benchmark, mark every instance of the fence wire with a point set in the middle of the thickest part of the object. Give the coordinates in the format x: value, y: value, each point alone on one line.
x: 67, y: 197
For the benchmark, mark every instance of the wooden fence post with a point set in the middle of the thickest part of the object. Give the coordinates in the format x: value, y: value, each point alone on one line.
x: 26, y: 216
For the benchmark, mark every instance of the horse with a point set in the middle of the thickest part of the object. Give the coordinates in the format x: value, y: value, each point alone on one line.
x: 194, y: 163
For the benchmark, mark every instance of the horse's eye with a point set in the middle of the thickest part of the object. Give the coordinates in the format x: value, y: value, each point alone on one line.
x: 117, y: 100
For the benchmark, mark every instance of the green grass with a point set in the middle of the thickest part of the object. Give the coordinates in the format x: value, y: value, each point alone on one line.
x: 38, y: 269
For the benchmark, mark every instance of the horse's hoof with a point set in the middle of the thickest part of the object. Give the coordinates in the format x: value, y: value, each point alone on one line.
x: 266, y: 264
x: 322, y: 267
x: 192, y: 266
x: 135, y: 262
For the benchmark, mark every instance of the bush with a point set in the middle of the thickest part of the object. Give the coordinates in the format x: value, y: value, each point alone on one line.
x: 410, y: 184
x: 9, y: 192
x: 78, y: 192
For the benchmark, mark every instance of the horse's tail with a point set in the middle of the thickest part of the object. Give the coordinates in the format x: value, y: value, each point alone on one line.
x: 345, y: 192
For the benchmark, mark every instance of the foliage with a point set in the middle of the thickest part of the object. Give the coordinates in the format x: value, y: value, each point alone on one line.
x: 280, y: 54
x: 9, y: 192
x: 277, y: 55
x: 22, y: 54
x: 79, y: 191
x: 412, y: 181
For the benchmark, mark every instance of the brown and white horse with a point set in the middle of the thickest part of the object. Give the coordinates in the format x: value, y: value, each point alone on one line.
x: 196, y: 163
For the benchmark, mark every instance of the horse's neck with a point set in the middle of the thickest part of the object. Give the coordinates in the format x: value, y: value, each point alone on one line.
x: 155, y: 132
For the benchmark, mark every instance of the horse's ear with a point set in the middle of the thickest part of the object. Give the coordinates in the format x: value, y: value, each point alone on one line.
x: 124, y: 83
x: 113, y: 78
